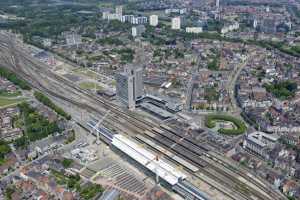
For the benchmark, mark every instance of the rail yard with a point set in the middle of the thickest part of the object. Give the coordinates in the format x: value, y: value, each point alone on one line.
x: 198, y: 160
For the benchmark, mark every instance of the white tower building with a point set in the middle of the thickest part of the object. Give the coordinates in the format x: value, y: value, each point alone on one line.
x: 176, y: 23
x: 255, y: 23
x: 218, y: 4
x: 153, y: 20
x: 119, y: 10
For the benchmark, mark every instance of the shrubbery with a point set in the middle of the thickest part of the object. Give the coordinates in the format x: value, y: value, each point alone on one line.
x: 282, y: 90
x: 127, y: 54
x: 12, y: 77
x: 91, y: 191
x: 210, y: 122
x: 46, y: 101
x: 4, y: 149
x: 36, y: 126
x: 110, y: 41
x: 67, y: 162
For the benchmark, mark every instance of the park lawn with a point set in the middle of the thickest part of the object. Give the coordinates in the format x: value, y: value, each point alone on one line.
x: 89, y: 86
x: 9, y: 101
x: 7, y: 94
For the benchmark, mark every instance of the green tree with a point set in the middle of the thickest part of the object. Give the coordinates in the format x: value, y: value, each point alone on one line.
x: 12, y: 77
x: 46, y: 101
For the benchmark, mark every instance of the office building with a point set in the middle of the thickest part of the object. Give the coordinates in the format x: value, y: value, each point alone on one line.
x: 73, y: 39
x: 153, y: 20
x: 255, y: 23
x: 260, y: 143
x: 193, y: 29
x: 269, y: 26
x: 130, y: 86
x: 137, y: 31
x: 127, y: 18
x: 138, y: 80
x: 134, y: 31
x: 176, y: 11
x: 111, y: 16
x: 114, y: 16
x: 217, y: 4
x: 105, y: 14
x: 176, y: 23
x: 289, y: 25
x: 133, y: 20
x: 230, y: 27
x: 119, y: 10
x: 47, y: 42
x: 124, y: 88
x: 139, y: 20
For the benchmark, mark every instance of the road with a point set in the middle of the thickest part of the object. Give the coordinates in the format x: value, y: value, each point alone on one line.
x: 189, y: 93
x: 232, y: 83
x: 15, y: 153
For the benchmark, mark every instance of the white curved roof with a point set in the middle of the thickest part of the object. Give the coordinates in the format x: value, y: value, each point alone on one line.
x: 165, y: 171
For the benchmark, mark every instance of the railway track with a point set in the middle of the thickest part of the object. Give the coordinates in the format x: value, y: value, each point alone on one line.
x: 43, y: 70
x: 129, y: 117
x: 139, y: 124
x: 202, y: 153
x: 90, y: 108
x: 196, y: 157
x: 110, y: 119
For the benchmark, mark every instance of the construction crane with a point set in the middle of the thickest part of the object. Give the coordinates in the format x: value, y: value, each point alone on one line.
x: 96, y: 127
x: 161, y: 154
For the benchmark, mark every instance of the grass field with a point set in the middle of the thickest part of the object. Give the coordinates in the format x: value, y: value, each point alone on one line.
x: 6, y: 94
x: 86, y: 72
x: 10, y: 101
x: 89, y: 86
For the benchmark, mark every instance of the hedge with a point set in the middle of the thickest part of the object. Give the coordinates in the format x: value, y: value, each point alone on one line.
x: 210, y: 122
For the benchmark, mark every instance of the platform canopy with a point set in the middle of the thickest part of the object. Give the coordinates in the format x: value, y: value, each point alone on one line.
x: 165, y: 171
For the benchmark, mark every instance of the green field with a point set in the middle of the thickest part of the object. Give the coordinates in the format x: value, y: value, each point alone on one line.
x: 10, y: 101
x: 89, y: 86
x: 7, y: 94
x: 86, y: 72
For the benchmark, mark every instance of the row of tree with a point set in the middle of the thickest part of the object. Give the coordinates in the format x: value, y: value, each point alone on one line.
x: 4, y: 150
x: 46, y: 101
x: 12, y: 77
